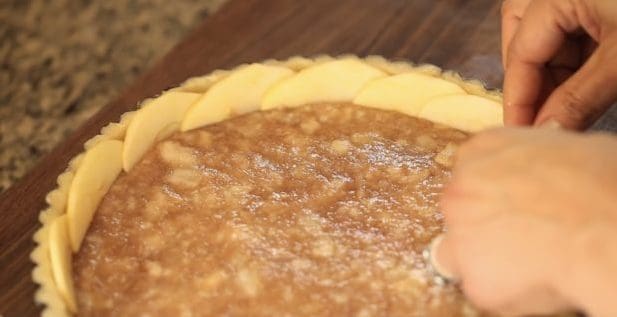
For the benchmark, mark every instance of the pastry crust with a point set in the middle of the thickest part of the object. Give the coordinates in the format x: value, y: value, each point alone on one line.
x: 49, y: 293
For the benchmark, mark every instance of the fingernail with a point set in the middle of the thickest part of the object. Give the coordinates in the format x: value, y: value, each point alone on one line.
x: 551, y: 124
x: 433, y: 259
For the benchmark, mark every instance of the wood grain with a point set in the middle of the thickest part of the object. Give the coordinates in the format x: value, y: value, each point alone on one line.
x: 462, y: 35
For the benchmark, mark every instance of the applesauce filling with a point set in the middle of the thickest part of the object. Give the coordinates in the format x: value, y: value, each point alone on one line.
x: 317, y: 210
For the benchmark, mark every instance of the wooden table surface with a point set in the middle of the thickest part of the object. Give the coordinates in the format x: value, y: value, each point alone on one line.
x: 461, y: 35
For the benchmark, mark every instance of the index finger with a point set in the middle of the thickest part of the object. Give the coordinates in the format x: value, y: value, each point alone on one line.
x: 540, y: 35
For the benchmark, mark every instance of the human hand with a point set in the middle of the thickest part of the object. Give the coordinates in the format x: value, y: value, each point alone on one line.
x: 560, y: 61
x: 532, y: 223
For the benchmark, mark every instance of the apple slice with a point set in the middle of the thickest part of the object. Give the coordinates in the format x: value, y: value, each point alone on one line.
x: 406, y: 93
x: 338, y: 80
x: 201, y: 84
x: 60, y: 258
x: 238, y: 93
x: 158, y: 118
x: 97, y: 171
x: 465, y: 112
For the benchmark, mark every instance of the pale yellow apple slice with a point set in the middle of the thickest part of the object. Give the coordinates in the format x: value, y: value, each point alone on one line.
x: 97, y: 171
x: 338, y: 80
x: 60, y: 258
x: 391, y: 68
x: 465, y: 112
x: 155, y: 120
x: 406, y: 93
x: 238, y: 93
x: 201, y: 84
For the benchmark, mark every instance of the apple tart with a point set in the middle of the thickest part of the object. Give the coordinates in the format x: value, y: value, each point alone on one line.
x: 284, y: 188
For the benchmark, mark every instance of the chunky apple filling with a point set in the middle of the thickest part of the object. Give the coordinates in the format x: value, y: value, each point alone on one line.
x: 317, y: 210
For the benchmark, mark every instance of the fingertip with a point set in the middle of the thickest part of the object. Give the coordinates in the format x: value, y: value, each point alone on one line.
x: 442, y: 258
x: 550, y: 124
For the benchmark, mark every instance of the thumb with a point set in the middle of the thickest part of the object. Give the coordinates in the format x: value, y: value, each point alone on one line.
x: 442, y: 259
x: 586, y: 95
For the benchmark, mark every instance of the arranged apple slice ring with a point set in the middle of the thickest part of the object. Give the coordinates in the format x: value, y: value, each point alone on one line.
x: 422, y: 91
x: 238, y: 93
x: 406, y: 92
x: 338, y: 80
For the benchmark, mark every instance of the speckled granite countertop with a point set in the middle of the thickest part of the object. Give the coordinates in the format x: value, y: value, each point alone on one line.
x: 62, y: 60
